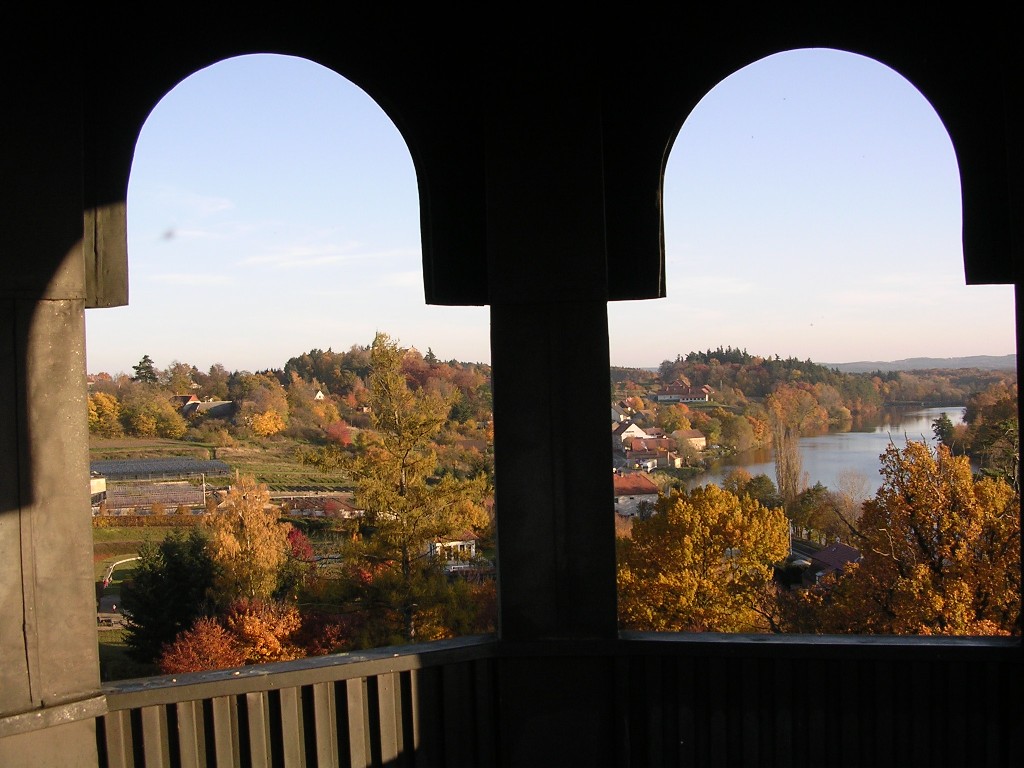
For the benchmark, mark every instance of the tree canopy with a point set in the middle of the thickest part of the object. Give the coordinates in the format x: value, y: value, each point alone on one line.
x: 248, y: 544
x: 393, y: 467
x: 703, y: 562
x: 145, y: 370
x: 941, y: 553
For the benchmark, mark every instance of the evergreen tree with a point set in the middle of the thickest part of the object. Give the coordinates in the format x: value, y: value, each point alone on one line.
x: 145, y: 371
x: 171, y: 588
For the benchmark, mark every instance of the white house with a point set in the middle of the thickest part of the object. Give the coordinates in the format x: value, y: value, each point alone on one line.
x: 631, y: 490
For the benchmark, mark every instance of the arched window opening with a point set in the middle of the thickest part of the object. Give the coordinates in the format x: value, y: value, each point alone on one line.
x: 816, y: 319
x: 291, y: 453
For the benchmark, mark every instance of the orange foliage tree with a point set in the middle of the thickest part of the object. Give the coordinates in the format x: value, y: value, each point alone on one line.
x: 251, y: 632
x: 941, y: 553
x: 206, y: 645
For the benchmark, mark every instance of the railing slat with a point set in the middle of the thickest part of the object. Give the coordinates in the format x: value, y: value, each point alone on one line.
x: 155, y: 740
x: 459, y: 715
x: 257, y: 719
x: 293, y: 740
x: 118, y: 744
x: 225, y: 731
x: 487, y: 727
x: 388, y: 710
x: 358, y: 727
x: 415, y: 712
x: 191, y: 734
x: 325, y: 721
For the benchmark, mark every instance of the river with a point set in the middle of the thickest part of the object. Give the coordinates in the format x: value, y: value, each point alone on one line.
x: 855, y: 452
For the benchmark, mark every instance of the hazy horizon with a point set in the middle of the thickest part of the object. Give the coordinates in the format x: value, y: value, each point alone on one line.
x: 652, y: 366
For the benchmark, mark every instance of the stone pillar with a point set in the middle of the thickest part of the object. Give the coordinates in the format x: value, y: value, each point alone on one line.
x: 49, y: 667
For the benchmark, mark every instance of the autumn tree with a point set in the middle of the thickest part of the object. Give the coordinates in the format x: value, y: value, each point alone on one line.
x: 249, y: 632
x: 943, y: 429
x: 822, y: 514
x: 146, y: 411
x: 393, y: 468
x: 941, y: 553
x: 792, y: 410
x: 262, y: 402
x: 179, y: 378
x: 247, y: 543
x: 306, y: 414
x: 703, y: 562
x: 994, y: 432
x: 264, y: 630
x: 105, y: 415
x: 213, y: 384
x: 204, y: 646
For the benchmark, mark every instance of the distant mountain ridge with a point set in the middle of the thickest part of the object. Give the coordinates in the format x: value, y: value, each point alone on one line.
x: 984, y: 362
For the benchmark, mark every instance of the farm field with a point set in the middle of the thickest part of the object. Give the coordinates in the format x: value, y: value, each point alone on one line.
x: 275, y: 463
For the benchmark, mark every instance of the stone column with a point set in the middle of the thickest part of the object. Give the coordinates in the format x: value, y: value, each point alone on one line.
x: 49, y: 667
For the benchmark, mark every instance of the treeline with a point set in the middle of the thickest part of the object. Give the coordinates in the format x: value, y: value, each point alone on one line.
x: 316, y: 396
x: 754, y: 376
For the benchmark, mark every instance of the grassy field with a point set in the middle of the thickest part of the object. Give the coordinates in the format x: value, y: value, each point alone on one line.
x: 115, y: 664
x: 146, y: 448
x: 277, y: 465
x: 274, y: 462
x: 112, y: 544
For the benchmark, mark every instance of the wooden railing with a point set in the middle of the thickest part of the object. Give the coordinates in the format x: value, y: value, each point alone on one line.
x: 430, y: 704
x: 644, y: 699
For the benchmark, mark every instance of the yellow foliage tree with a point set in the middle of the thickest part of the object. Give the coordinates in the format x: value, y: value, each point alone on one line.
x: 267, y: 423
x: 703, y: 562
x: 105, y: 415
x: 791, y: 411
x: 941, y: 553
x: 247, y: 543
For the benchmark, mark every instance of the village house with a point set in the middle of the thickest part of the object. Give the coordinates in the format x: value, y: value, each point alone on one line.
x: 631, y: 490
x: 832, y: 559
x: 649, y: 453
x: 682, y: 392
x: 180, y: 401
x: 625, y: 431
x: 214, y: 409
x: 455, y: 550
x: 693, y: 438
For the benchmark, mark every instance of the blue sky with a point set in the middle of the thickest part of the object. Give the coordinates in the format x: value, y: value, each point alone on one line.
x: 812, y: 209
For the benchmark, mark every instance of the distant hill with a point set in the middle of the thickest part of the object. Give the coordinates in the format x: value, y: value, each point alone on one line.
x: 985, y: 362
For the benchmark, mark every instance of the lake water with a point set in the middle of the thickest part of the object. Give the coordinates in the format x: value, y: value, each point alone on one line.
x: 827, y: 457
